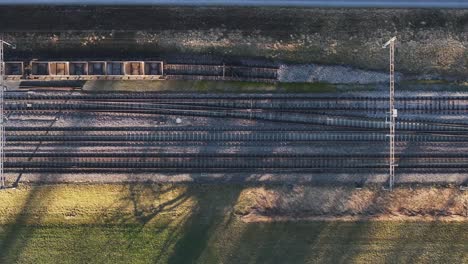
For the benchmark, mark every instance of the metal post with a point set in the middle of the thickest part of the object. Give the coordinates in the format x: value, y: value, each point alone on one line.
x: 392, y: 113
x: 2, y: 113
x: 2, y: 117
x: 224, y: 71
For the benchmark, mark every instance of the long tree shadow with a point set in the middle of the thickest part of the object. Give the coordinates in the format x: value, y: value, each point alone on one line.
x: 31, y: 214
x: 166, y: 222
x: 36, y: 149
x: 177, y: 212
x: 421, y: 242
x: 22, y: 228
x: 298, y: 241
x: 214, y: 205
x: 141, y: 209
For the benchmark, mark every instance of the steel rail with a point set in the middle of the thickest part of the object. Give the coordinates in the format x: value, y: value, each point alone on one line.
x: 222, y: 155
x: 163, y: 97
x: 244, y: 136
x: 300, y: 118
x: 284, y: 106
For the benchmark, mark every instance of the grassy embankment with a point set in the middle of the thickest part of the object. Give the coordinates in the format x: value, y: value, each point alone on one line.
x: 430, y: 41
x: 198, y: 224
x: 218, y: 87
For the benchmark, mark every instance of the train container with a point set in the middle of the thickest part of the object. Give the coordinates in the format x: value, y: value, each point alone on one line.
x: 115, y: 68
x: 154, y: 68
x: 14, y: 70
x: 97, y: 67
x: 193, y: 69
x: 134, y: 68
x: 251, y: 72
x: 59, y: 68
x: 78, y: 68
x: 39, y: 68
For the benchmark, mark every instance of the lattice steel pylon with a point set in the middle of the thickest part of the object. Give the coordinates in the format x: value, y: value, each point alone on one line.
x: 2, y: 114
x: 392, y: 113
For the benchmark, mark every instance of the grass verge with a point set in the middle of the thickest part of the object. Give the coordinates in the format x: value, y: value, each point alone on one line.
x: 146, y: 223
x: 209, y: 86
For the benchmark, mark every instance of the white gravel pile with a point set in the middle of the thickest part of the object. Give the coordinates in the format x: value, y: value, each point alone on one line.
x: 331, y: 74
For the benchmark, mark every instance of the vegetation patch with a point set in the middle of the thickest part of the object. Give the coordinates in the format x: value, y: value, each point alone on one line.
x: 425, y: 82
x: 151, y: 223
x: 212, y: 86
x: 301, y: 87
x: 297, y: 35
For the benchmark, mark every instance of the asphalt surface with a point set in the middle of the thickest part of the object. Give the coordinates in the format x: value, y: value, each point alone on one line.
x: 296, y: 3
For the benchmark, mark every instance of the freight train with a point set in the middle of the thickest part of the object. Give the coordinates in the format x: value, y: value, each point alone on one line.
x: 133, y: 70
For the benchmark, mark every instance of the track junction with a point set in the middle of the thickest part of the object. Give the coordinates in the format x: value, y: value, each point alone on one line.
x: 327, y: 126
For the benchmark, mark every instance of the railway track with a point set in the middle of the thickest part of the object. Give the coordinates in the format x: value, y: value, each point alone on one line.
x: 300, y: 118
x: 141, y: 131
x: 230, y: 164
x: 272, y: 101
x: 373, y: 106
x: 311, y: 119
x: 135, y: 155
x: 27, y: 129
x: 145, y: 96
x: 209, y: 160
x: 241, y: 136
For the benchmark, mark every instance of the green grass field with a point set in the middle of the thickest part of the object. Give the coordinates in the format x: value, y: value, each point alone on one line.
x: 197, y: 224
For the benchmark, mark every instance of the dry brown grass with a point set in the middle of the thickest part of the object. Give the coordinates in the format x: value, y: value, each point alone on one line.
x: 302, y: 202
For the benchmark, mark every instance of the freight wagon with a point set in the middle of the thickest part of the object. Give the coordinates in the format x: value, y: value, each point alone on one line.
x: 133, y: 70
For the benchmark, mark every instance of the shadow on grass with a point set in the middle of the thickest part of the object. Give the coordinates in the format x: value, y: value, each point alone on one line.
x: 18, y: 233
x: 139, y: 224
x: 196, y: 223
x: 347, y: 242
x: 297, y: 241
x: 33, y: 210
x: 421, y: 243
x: 212, y: 213
x: 152, y: 223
